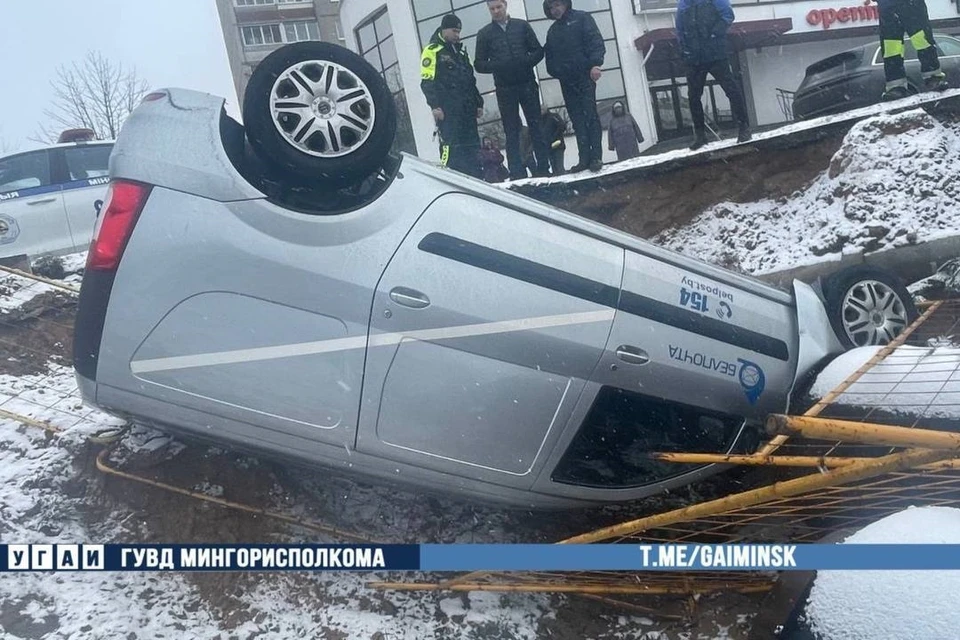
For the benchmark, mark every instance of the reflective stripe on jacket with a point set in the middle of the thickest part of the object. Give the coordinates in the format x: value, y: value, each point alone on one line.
x: 446, y: 76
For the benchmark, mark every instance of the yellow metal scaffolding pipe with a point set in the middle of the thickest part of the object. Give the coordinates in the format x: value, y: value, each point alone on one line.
x: 862, y: 432
x: 788, y: 488
x: 835, y: 393
x: 757, y: 460
x: 551, y: 587
x: 31, y: 276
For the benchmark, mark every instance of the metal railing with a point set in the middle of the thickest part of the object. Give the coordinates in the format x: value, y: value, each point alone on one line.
x: 785, y: 100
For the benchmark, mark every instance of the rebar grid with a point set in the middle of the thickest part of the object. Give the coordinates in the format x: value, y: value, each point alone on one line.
x: 808, y: 508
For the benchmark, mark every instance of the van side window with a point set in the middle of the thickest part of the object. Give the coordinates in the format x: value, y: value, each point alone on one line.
x: 84, y: 163
x: 25, y: 171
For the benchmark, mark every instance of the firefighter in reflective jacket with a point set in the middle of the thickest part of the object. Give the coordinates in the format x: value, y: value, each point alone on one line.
x: 908, y: 16
x: 447, y: 81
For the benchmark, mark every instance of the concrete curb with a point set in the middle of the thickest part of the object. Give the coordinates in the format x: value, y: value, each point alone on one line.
x: 836, y: 126
x: 911, y: 262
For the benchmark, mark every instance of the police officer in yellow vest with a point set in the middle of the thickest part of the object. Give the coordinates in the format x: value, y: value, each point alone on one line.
x: 908, y: 16
x: 448, y: 82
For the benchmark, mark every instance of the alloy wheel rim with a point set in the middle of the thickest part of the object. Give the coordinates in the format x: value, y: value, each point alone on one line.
x: 872, y: 313
x: 322, y: 108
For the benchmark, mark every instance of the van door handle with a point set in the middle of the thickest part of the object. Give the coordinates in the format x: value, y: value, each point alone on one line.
x: 632, y: 355
x: 44, y: 201
x: 409, y: 298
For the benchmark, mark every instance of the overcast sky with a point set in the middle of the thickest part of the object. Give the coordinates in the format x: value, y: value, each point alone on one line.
x: 170, y: 42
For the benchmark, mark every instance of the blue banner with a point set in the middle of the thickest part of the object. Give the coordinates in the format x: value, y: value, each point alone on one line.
x: 687, y: 557
x: 466, y: 557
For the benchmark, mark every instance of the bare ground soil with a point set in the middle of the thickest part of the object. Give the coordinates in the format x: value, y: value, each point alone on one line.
x: 644, y: 202
x: 647, y: 200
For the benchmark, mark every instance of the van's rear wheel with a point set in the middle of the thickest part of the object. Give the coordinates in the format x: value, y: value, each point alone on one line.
x: 315, y: 111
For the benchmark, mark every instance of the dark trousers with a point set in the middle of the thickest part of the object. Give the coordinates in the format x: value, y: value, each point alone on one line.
x: 510, y: 100
x: 910, y: 17
x: 580, y: 96
x: 460, y: 141
x: 556, y: 161
x: 722, y: 73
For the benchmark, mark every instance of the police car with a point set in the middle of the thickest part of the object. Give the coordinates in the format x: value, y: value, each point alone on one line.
x: 50, y: 198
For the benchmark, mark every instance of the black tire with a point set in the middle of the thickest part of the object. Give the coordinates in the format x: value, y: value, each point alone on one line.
x: 867, y: 306
x: 319, y: 77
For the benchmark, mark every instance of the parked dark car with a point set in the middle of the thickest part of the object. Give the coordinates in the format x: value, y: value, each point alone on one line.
x: 854, y: 78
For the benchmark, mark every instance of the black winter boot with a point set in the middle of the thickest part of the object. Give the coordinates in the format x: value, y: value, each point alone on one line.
x: 895, y: 93
x: 936, y: 82
x: 699, y: 139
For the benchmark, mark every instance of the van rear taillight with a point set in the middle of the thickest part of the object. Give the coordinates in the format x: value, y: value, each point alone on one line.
x: 121, y: 209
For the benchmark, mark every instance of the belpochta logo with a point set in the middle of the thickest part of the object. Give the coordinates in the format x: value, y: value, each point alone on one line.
x: 752, y: 380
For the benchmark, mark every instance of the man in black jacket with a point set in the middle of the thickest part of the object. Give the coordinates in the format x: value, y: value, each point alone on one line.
x: 509, y: 49
x: 447, y: 81
x: 702, y: 32
x: 575, y: 52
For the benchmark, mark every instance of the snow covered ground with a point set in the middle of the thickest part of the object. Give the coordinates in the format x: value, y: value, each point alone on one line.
x: 891, y: 605
x: 892, y: 183
x: 917, y: 382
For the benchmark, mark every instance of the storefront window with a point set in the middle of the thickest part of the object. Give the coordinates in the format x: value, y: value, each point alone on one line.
x: 610, y: 89
x: 376, y: 44
x: 671, y: 107
x: 474, y: 15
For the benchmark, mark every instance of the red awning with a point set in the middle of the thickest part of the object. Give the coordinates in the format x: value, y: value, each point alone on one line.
x: 743, y: 35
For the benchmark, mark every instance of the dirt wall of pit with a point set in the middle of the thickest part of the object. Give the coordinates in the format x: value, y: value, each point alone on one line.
x: 644, y: 201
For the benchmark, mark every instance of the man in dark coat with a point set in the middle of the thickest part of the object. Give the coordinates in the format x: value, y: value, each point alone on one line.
x: 509, y: 49
x: 575, y: 52
x: 702, y: 31
x: 908, y: 16
x: 447, y: 81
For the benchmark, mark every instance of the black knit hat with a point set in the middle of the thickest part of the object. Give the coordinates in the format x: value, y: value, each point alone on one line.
x: 450, y: 21
x: 546, y: 7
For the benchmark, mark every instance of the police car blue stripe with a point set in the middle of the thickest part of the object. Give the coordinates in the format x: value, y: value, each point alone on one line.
x: 51, y: 188
x: 83, y: 184
x: 26, y: 193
